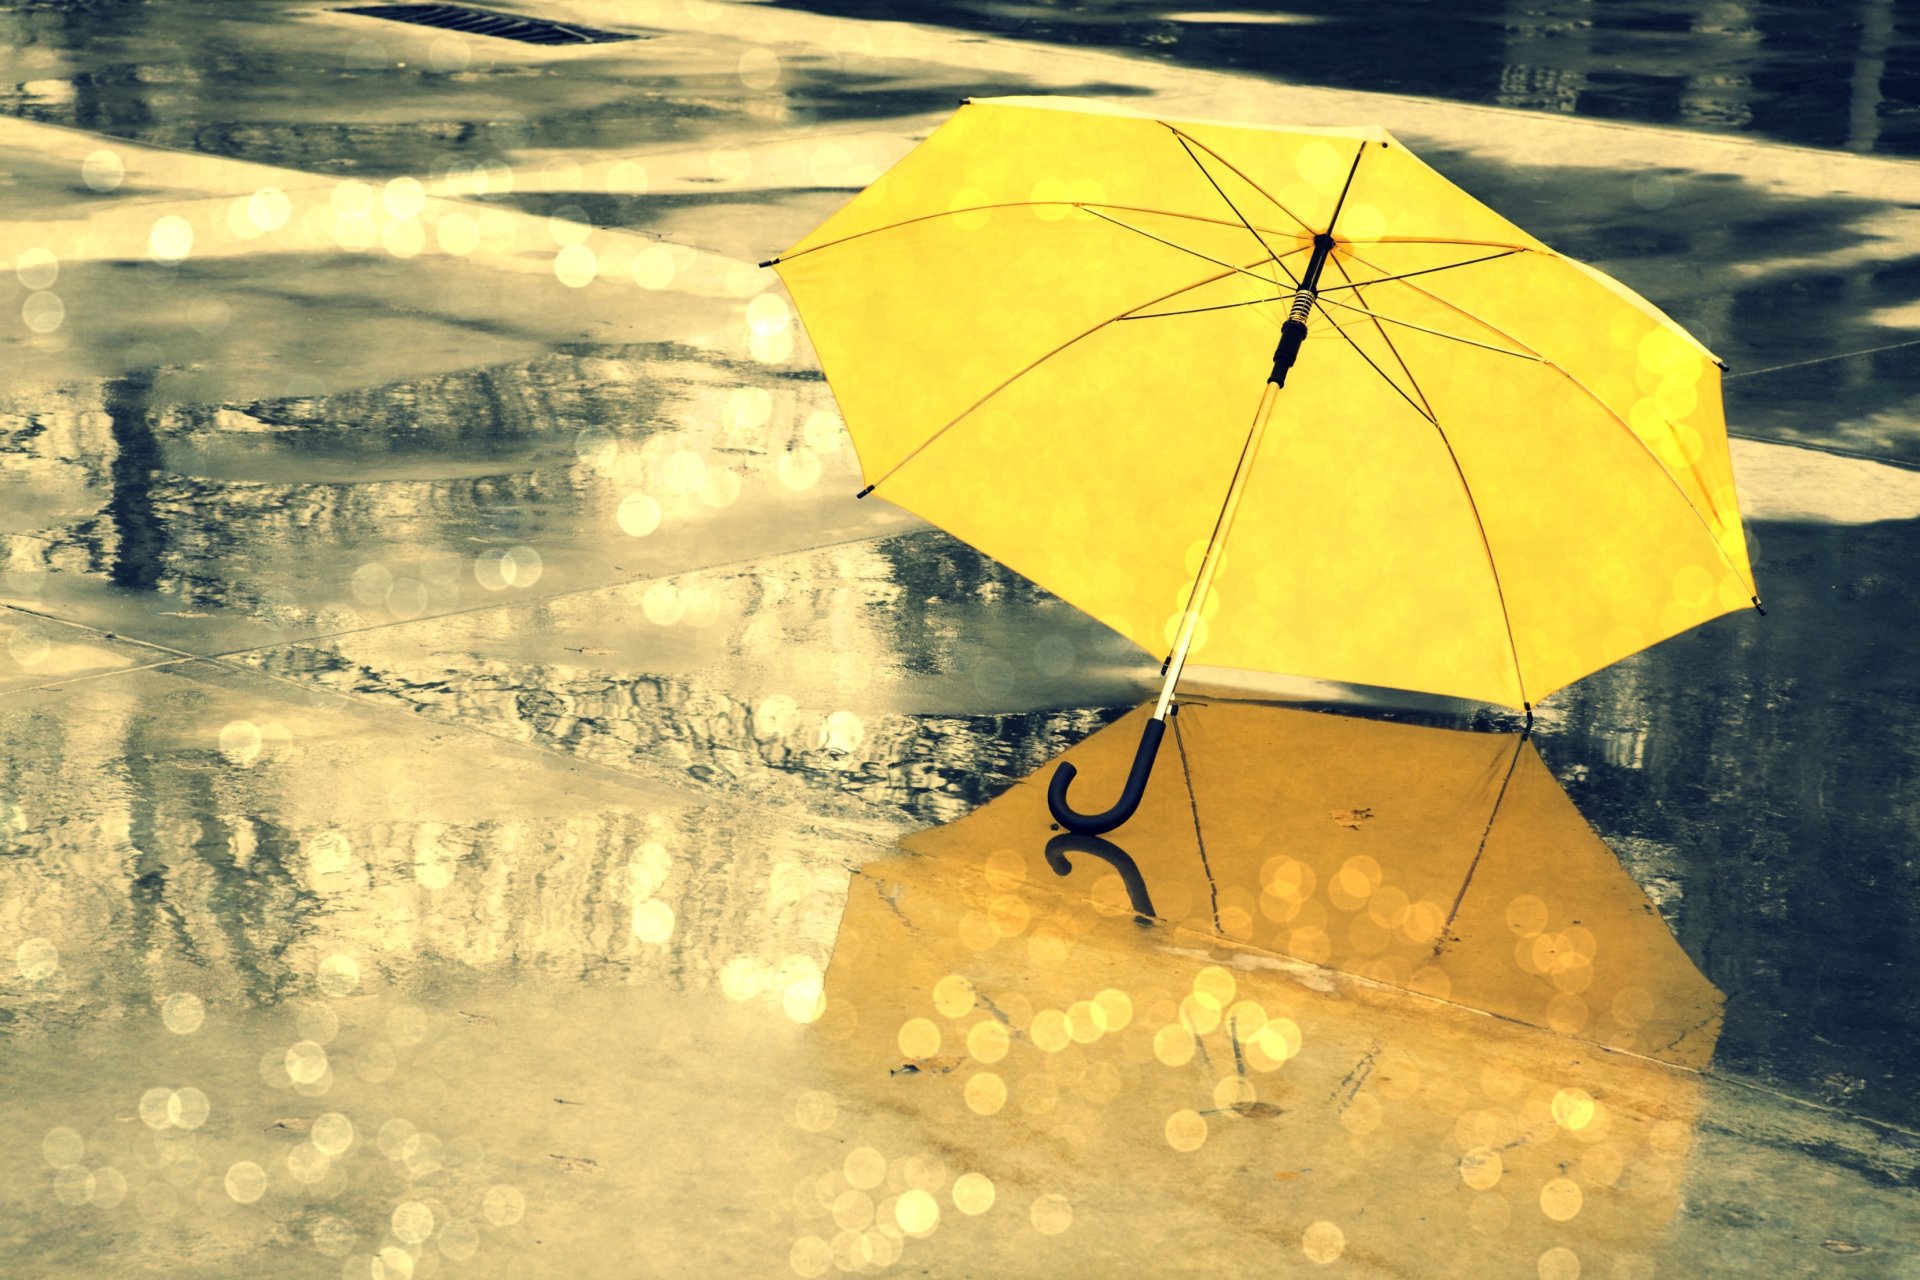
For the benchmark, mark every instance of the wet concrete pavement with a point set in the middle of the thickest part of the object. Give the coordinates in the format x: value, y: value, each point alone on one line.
x: 446, y: 684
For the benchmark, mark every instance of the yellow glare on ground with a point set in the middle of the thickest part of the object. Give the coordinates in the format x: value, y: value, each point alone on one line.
x: 37, y: 268
x: 246, y: 1182
x: 919, y: 1038
x: 988, y: 1041
x: 1051, y: 1214
x: 759, y: 68
x: 183, y: 1013
x: 36, y: 959
x: 864, y: 1167
x: 74, y: 1186
x: 109, y: 1188
x: 187, y: 1108
x: 1050, y: 1030
x: 306, y: 1062
x: 1561, y: 1199
x: 575, y: 266
x: 403, y: 197
x: 1116, y: 1007
x: 403, y: 239
x: 504, y: 1205
x: 653, y: 268
x: 1480, y: 1168
x: 853, y: 1210
x: 1201, y: 1012
x: 805, y: 998
x: 810, y: 1256
x: 798, y: 469
x: 153, y: 1108
x: 953, y: 996
x: 240, y: 741
x: 973, y: 1194
x: 653, y: 922
x: 43, y: 312
x: 63, y: 1147
x: 412, y: 1223
x: 1573, y: 1108
x: 1173, y: 1045
x: 627, y: 177
x: 1560, y: 1263
x: 457, y: 234
x: 986, y: 1093
x: 170, y: 240
x: 1185, y: 1130
x: 332, y: 1133
x: 339, y: 975
x: 1323, y: 1242
x: 925, y: 1171
x: 814, y: 1111
x: 917, y: 1212
x: 102, y: 170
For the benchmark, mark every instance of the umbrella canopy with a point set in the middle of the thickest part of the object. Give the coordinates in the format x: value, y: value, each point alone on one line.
x: 1493, y: 470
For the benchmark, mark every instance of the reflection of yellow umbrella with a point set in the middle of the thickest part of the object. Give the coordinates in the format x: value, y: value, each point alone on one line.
x: 1146, y: 1076
x: 1448, y: 863
x: 1497, y: 470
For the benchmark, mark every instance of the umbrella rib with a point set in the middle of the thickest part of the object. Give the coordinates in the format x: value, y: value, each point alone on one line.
x: 1090, y: 207
x: 1424, y: 271
x: 1384, y: 376
x: 1486, y: 544
x: 1606, y: 408
x: 1231, y: 269
x: 1381, y: 330
x: 1345, y: 187
x: 1193, y: 804
x: 1037, y: 362
x: 1221, y: 306
x: 1236, y: 172
x: 1419, y: 328
x: 1177, y: 137
x: 1479, y: 244
x: 1519, y: 742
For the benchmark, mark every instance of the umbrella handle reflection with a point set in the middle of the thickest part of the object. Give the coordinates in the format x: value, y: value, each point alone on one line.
x: 1114, y: 856
x: 1095, y: 823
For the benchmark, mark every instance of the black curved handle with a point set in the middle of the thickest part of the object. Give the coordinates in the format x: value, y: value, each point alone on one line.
x: 1093, y: 824
x: 1113, y: 855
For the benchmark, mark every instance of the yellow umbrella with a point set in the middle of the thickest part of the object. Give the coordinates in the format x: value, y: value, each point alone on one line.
x: 1057, y: 329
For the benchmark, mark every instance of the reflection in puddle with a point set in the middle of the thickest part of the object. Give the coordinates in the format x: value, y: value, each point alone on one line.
x: 1446, y: 863
x: 1114, y: 856
x: 1220, y: 1054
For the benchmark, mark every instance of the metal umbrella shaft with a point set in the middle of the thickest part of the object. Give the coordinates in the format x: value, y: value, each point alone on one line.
x: 1292, y: 333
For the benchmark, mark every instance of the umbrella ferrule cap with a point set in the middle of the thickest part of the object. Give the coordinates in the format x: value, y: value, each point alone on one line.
x: 1292, y: 334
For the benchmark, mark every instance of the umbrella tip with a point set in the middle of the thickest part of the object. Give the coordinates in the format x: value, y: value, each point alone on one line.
x: 1758, y: 607
x: 864, y: 492
x: 966, y: 102
x: 769, y: 262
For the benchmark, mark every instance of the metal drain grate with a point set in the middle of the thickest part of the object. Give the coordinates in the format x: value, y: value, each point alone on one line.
x: 484, y: 22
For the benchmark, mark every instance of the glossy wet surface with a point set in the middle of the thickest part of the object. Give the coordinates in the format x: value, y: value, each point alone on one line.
x: 1820, y: 75
x: 446, y: 683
